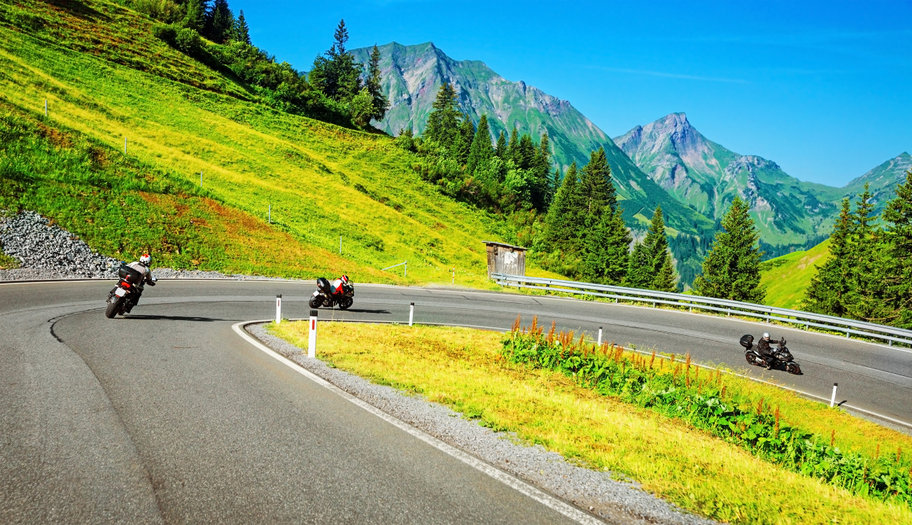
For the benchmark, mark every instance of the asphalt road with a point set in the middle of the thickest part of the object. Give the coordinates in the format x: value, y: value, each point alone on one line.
x: 166, y: 415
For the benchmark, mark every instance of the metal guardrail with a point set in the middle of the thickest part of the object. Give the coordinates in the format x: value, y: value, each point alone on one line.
x: 850, y: 327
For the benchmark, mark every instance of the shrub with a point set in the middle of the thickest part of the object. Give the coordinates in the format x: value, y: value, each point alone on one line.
x: 676, y: 391
x: 189, y: 42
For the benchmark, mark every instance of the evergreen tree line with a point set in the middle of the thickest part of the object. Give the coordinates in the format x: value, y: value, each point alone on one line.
x: 574, y: 222
x: 584, y: 236
x: 338, y: 89
x: 505, y: 176
x: 868, y: 275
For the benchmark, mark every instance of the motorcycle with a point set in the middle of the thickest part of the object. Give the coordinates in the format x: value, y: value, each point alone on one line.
x: 123, y: 297
x: 324, y: 296
x: 780, y: 358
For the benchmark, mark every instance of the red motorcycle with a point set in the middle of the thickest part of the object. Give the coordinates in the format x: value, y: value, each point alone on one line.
x: 327, y: 295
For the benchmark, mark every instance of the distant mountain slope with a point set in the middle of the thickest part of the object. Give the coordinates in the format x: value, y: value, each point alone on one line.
x: 790, y: 214
x: 882, y: 181
x: 412, y: 76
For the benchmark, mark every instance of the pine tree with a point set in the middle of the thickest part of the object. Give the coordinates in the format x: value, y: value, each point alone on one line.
x: 828, y: 292
x: 195, y: 17
x: 544, y: 189
x: 898, y: 245
x: 660, y: 265
x: 241, y: 29
x: 443, y: 121
x: 866, y: 289
x: 480, y: 152
x: 464, y: 139
x: 336, y: 74
x: 638, y: 270
x: 731, y: 269
x: 596, y: 187
x: 562, y: 229
x: 513, y: 146
x: 374, y: 86
x: 606, y: 248
x: 219, y: 22
x: 500, y: 150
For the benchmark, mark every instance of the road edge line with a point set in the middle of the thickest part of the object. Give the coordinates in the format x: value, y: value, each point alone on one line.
x: 513, y: 482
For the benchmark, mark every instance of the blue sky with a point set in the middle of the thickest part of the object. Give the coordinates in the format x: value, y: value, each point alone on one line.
x: 822, y: 88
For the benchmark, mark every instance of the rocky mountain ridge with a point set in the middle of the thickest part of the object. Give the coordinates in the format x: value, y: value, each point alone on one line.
x: 666, y: 163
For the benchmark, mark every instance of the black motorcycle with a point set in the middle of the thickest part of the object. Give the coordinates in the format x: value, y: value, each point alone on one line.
x: 126, y: 294
x: 324, y: 295
x: 780, y: 358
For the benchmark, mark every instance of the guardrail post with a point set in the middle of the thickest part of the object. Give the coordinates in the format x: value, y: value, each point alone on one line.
x: 600, y: 336
x: 411, y: 313
x: 312, y: 338
x: 833, y: 397
x: 278, y: 308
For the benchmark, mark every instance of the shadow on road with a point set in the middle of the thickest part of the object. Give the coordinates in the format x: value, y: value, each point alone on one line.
x: 362, y: 311
x: 174, y: 318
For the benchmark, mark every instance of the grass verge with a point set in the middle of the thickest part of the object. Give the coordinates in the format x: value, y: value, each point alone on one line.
x: 464, y: 370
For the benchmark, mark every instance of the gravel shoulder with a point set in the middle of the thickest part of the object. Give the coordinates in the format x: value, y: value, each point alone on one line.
x: 601, y: 493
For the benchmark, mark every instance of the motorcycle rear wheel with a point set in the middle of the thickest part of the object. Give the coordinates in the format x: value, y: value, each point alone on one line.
x: 754, y: 359
x: 113, y: 307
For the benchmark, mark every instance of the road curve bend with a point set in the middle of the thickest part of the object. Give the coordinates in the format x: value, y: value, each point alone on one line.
x: 166, y: 415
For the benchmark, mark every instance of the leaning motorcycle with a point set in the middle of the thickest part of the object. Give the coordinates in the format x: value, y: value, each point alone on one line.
x: 124, y: 296
x: 780, y: 359
x: 324, y: 296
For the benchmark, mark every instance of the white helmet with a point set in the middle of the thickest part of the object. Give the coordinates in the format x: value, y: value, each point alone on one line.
x: 766, y: 335
x: 145, y: 259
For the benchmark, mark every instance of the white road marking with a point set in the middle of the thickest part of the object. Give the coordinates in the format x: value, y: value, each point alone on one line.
x: 499, y: 475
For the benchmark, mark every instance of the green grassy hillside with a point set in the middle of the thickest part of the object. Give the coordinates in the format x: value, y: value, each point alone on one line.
x: 787, y: 278
x: 107, y: 80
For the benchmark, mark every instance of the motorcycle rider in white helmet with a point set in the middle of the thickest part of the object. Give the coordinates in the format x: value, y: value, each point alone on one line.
x: 141, y: 266
x: 765, y: 350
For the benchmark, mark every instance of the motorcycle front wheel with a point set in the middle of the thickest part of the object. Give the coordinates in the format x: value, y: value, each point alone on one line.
x: 345, y: 303
x: 793, y: 368
x: 315, y: 302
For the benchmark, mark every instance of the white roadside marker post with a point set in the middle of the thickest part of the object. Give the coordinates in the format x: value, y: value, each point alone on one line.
x: 312, y: 339
x: 411, y: 313
x: 833, y: 397
x: 600, y: 336
x: 279, y: 309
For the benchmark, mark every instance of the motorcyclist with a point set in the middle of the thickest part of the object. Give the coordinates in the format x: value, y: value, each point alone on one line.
x: 336, y: 285
x: 765, y: 349
x: 141, y: 266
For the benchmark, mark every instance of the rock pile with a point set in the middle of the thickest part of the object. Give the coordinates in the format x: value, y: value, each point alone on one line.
x: 49, y: 251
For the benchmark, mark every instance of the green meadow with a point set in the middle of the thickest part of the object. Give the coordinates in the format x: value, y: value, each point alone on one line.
x: 143, y: 148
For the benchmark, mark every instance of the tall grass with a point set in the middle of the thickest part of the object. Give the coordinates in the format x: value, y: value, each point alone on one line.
x: 677, y: 390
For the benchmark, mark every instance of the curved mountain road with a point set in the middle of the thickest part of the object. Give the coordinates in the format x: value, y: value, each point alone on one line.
x: 166, y: 415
